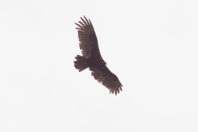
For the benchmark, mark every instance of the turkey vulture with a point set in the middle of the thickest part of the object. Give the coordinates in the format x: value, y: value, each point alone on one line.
x: 92, y: 59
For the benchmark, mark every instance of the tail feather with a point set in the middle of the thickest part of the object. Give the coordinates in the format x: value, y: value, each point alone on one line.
x: 80, y: 63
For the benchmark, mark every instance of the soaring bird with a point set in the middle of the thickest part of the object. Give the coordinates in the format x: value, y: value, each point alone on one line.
x: 92, y: 59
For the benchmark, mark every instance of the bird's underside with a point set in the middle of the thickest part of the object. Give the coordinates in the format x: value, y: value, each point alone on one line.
x: 92, y: 59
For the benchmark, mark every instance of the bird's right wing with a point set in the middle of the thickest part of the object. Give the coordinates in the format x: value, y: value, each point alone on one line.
x: 87, y: 37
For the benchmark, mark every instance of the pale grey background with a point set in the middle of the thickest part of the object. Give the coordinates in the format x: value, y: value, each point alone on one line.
x: 151, y: 46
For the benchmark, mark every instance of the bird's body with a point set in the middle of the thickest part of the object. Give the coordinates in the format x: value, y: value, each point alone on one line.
x: 92, y: 58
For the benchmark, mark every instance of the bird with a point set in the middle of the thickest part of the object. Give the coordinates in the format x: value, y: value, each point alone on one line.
x: 92, y: 59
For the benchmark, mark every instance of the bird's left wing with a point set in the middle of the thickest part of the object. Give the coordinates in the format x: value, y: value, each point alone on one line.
x: 108, y: 79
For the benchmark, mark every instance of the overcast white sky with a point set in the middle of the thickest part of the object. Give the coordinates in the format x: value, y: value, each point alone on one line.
x: 151, y: 45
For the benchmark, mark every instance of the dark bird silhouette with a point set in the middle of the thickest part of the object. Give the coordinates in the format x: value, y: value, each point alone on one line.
x: 92, y: 59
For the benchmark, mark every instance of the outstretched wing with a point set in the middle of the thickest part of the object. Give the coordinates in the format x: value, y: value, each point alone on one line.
x: 107, y: 78
x: 87, y: 37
